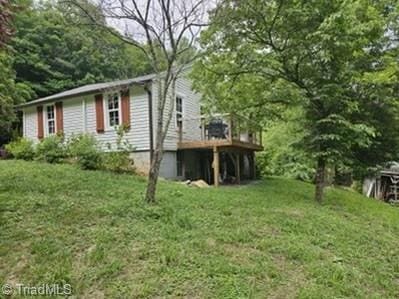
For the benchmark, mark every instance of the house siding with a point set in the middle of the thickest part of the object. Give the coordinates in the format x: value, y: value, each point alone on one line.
x: 73, y: 117
x: 80, y: 116
x: 191, y: 109
x: 138, y: 135
x: 30, y: 123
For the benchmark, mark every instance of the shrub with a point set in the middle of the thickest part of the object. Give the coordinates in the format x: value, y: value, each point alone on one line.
x: 118, y: 160
x: 51, y: 149
x: 84, y: 148
x: 21, y: 148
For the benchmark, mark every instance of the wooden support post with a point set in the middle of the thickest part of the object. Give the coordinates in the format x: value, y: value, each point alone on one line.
x: 216, y: 166
x: 230, y: 128
x: 203, y: 134
x: 238, y: 170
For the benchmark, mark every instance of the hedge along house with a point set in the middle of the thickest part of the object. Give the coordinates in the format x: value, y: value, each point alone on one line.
x: 215, y: 149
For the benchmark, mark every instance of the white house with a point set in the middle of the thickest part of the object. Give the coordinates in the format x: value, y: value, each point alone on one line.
x: 194, y: 145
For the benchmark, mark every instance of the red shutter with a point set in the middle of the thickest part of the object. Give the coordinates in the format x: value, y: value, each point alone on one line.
x: 40, y: 132
x: 125, y: 103
x: 59, y: 115
x: 99, y: 113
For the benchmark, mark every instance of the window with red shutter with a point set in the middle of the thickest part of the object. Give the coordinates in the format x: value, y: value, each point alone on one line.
x: 59, y: 117
x: 99, y: 113
x: 40, y: 131
x: 125, y: 108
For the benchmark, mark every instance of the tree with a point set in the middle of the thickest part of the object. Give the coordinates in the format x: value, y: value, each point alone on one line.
x: 320, y: 50
x: 11, y: 94
x: 282, y: 156
x: 53, y: 53
x: 169, y: 30
x: 5, y: 21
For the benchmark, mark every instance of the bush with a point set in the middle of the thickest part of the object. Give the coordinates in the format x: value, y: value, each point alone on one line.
x: 21, y: 148
x: 118, y: 160
x: 51, y: 149
x: 84, y: 149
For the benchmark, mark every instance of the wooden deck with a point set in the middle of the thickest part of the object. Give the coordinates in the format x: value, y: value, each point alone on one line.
x: 222, y: 133
x: 220, y: 143
x: 228, y: 132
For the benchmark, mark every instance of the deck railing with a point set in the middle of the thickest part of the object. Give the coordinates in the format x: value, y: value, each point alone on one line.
x: 220, y: 127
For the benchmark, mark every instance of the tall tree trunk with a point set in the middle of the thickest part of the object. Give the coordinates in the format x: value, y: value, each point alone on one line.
x: 320, y: 179
x: 162, y: 129
x: 153, y: 176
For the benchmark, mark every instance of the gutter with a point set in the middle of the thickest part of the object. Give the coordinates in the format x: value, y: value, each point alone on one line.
x: 39, y: 102
x: 84, y: 93
x: 150, y: 120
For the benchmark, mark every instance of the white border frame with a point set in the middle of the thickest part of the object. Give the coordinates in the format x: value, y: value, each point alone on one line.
x: 106, y: 112
x: 183, y: 100
x: 45, y: 119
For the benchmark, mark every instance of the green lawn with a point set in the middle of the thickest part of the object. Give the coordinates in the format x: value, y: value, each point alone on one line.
x: 265, y: 240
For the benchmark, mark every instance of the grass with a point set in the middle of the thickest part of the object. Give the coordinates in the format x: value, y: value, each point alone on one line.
x: 265, y: 240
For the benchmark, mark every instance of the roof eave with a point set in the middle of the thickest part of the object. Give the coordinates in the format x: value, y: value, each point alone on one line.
x: 45, y: 100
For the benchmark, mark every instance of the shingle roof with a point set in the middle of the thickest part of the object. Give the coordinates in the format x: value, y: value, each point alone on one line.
x: 90, y: 88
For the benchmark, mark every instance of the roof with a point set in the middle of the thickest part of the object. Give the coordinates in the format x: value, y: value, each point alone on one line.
x: 90, y: 88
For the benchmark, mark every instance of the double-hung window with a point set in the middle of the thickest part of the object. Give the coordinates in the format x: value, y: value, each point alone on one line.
x: 113, y: 110
x: 179, y: 113
x: 50, y: 119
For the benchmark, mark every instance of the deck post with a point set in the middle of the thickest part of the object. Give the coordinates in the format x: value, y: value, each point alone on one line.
x: 216, y: 166
x: 253, y: 165
x: 203, y: 134
x: 230, y: 128
x: 238, y: 171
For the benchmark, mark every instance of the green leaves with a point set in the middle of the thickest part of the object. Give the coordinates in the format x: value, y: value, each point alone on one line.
x: 6, y: 15
x: 57, y: 51
x: 11, y: 94
x: 329, y: 58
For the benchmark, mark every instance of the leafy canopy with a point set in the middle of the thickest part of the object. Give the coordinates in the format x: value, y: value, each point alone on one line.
x: 56, y: 51
x: 323, y: 56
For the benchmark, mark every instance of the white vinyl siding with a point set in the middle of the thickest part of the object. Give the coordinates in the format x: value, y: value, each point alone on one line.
x: 73, y: 116
x: 138, y: 135
x: 30, y: 123
x: 191, y: 109
x: 80, y: 116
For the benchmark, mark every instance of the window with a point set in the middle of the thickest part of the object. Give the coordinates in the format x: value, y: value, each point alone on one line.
x: 179, y: 163
x: 179, y: 113
x: 50, y: 116
x: 113, y: 110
